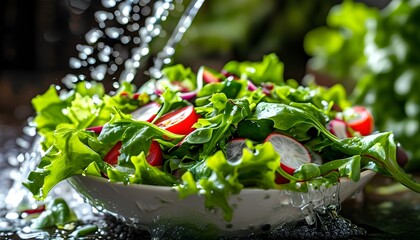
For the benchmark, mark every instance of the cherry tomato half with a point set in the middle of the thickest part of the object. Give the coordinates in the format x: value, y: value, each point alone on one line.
x: 179, y: 121
x: 147, y: 112
x: 359, y: 119
x: 154, y: 156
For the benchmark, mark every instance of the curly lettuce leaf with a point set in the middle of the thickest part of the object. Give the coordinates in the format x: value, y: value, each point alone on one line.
x: 270, y: 69
x: 222, y: 115
x: 84, y: 106
x: 256, y: 168
x: 69, y: 155
x: 378, y: 151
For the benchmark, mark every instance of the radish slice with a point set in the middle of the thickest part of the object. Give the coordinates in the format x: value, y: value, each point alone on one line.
x: 339, y: 128
x: 251, y: 86
x: 234, y: 149
x: 292, y: 153
x: 147, y: 112
x: 95, y: 129
x: 188, y: 95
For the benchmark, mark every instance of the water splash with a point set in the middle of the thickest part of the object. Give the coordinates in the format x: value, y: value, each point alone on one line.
x: 164, y: 56
x: 120, y: 42
x: 315, y: 200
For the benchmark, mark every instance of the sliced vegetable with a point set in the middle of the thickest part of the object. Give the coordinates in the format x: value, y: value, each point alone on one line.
x: 112, y: 156
x: 359, y: 119
x: 180, y: 121
x: 211, y: 76
x: 147, y: 112
x: 154, y: 156
x: 292, y: 153
x: 339, y: 128
x: 95, y: 129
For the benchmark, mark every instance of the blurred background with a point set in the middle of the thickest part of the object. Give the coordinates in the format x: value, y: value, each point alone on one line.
x: 39, y: 37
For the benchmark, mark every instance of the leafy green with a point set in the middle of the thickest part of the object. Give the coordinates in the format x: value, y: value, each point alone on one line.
x: 226, y: 113
x: 298, y: 118
x: 196, y: 163
x: 136, y: 136
x: 57, y: 213
x: 180, y: 74
x: 170, y: 99
x: 270, y: 69
x: 84, y: 231
x: 256, y: 168
x: 56, y: 166
x: 79, y: 108
x: 375, y: 53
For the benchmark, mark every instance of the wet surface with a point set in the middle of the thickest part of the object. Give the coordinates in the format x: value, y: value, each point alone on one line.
x: 390, y: 212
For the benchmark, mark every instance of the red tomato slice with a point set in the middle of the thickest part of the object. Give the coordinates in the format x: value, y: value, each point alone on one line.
x: 179, y: 121
x: 359, y: 119
x: 154, y: 156
x: 147, y: 112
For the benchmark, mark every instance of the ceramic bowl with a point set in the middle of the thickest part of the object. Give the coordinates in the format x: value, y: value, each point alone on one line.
x: 149, y: 206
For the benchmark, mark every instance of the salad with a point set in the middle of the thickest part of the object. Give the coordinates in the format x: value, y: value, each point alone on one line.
x: 211, y: 133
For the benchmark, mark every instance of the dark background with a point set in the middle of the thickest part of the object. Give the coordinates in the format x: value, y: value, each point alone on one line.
x: 38, y: 37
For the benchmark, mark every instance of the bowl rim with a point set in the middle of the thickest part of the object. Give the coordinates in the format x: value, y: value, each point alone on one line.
x: 364, y: 173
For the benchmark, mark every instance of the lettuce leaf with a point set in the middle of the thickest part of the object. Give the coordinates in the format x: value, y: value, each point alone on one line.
x: 377, y: 151
x: 270, y: 69
x: 69, y: 155
x: 256, y: 168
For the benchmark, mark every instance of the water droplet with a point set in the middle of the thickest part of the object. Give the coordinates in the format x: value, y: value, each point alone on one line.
x: 113, y: 32
x: 109, y: 3
x: 75, y: 63
x: 84, y: 49
x: 91, y: 60
x: 145, y: 11
x: 102, y: 16
x: 125, y: 39
x: 103, y: 55
x: 93, y: 35
x: 125, y: 8
x: 82, y: 55
x: 29, y: 131
x: 98, y: 73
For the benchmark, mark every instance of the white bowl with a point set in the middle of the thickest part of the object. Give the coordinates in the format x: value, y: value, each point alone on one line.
x: 149, y: 206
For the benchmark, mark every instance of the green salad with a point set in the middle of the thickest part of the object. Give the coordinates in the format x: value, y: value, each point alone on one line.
x: 212, y: 133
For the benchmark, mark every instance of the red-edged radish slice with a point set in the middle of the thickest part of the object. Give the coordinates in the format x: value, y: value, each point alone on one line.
x: 95, y: 129
x: 147, y: 112
x: 292, y: 153
x: 234, y: 149
x: 339, y: 128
